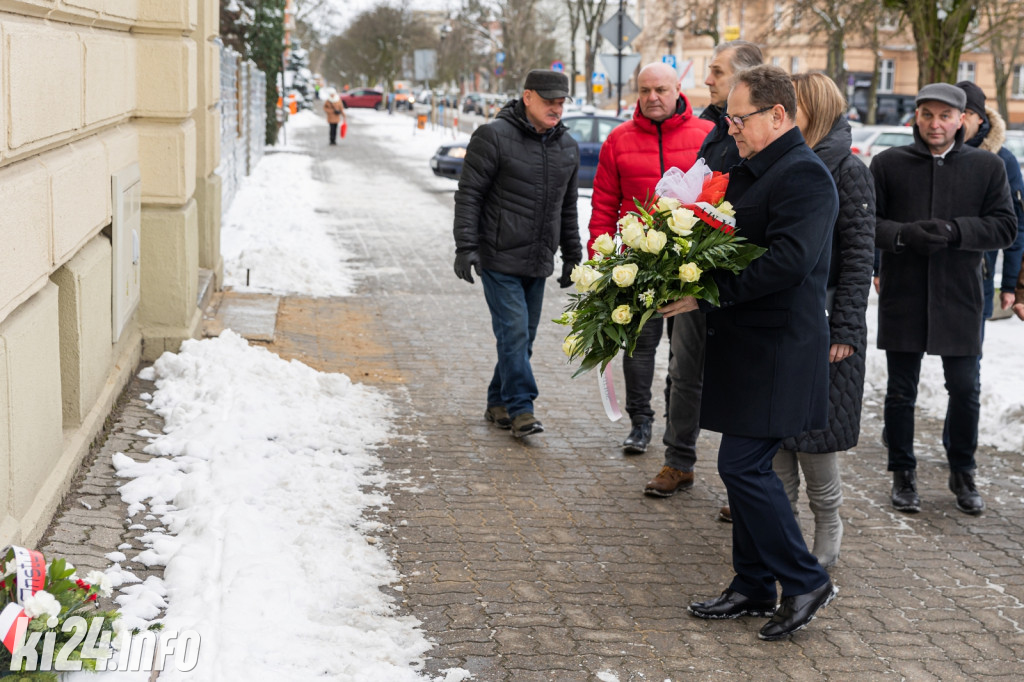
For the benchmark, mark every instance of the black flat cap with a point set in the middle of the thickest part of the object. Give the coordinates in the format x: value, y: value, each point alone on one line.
x: 547, y: 84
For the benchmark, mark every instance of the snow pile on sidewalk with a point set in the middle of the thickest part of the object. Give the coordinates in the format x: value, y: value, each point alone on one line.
x: 261, y: 480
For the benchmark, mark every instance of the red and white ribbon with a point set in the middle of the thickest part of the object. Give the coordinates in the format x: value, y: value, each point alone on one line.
x: 10, y: 617
x: 31, y: 572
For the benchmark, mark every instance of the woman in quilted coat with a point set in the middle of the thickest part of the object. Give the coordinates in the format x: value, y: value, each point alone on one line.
x: 820, y: 108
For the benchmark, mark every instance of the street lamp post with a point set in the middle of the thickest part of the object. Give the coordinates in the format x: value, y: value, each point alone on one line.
x: 671, y: 39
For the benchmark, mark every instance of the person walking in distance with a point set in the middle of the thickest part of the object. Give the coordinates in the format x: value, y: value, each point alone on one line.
x: 662, y: 134
x: 766, y: 362
x: 687, y: 335
x: 940, y: 204
x: 820, y: 108
x: 516, y: 203
x: 335, y: 110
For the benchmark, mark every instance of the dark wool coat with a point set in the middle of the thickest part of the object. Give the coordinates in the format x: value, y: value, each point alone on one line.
x: 766, y: 360
x: 516, y: 202
x: 849, y: 281
x: 718, y: 149
x: 633, y: 159
x: 933, y: 304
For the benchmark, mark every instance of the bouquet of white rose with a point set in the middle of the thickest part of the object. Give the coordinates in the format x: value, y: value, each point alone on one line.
x: 663, y: 251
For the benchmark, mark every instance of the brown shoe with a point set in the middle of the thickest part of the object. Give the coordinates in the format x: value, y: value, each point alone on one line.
x: 725, y: 514
x: 668, y: 482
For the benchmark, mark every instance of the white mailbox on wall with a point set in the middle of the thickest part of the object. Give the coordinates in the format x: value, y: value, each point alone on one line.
x: 126, y: 226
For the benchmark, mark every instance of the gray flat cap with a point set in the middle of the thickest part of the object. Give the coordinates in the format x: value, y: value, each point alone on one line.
x: 942, y: 92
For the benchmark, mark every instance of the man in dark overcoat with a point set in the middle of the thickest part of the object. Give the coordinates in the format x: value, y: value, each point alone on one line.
x: 940, y: 205
x: 766, y: 361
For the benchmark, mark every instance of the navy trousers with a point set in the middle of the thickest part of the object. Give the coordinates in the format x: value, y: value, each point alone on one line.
x: 767, y: 546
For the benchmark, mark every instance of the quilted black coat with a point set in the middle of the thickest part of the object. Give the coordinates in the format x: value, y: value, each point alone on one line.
x: 849, y: 281
x: 516, y: 202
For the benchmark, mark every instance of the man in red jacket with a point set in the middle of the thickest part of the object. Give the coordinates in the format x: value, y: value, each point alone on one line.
x: 663, y: 133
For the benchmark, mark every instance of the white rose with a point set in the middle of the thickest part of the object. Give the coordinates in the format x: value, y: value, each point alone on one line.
x: 40, y: 603
x: 604, y: 244
x: 654, y: 242
x: 571, y: 344
x: 726, y: 208
x: 585, y: 276
x: 667, y: 204
x: 623, y: 275
x: 633, y: 235
x: 689, y: 272
x: 622, y: 315
x: 682, y: 221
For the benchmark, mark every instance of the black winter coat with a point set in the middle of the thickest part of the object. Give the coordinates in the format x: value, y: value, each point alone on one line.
x: 849, y: 282
x: 933, y: 304
x: 766, y: 357
x: 718, y: 149
x: 516, y: 202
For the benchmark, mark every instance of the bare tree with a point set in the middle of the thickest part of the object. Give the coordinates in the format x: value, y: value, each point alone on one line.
x: 574, y: 28
x: 376, y: 45
x: 592, y: 16
x: 939, y: 28
x: 1005, y: 37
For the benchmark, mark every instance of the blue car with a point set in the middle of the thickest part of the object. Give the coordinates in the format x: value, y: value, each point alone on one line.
x: 589, y: 131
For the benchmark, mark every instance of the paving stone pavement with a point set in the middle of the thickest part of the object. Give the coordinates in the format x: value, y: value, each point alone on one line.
x: 541, y: 559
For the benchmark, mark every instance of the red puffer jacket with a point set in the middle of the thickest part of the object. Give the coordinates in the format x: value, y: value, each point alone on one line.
x: 633, y: 159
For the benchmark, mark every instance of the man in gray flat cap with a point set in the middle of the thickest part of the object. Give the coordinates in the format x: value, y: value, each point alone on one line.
x: 939, y: 204
x: 516, y: 204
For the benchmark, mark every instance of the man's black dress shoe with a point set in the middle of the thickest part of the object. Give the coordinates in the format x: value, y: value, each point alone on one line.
x: 731, y: 604
x: 968, y: 499
x: 904, y: 491
x: 796, y: 612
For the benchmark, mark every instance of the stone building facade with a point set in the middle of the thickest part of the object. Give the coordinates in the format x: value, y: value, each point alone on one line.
x: 110, y: 220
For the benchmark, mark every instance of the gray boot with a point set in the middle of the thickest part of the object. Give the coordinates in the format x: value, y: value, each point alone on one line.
x: 787, y: 468
x: 825, y: 495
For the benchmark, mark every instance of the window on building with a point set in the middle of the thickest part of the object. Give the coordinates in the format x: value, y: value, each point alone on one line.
x: 798, y: 15
x: 794, y: 65
x: 965, y: 72
x: 887, y: 75
x: 777, y: 13
x: 1017, y: 86
x: 777, y: 61
x: 889, y: 20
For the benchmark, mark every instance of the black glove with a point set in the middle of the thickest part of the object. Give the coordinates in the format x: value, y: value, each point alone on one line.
x: 925, y: 236
x: 565, y: 280
x: 465, y: 263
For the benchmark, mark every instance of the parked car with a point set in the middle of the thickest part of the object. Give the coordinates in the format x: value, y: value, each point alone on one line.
x: 870, y: 140
x: 589, y: 131
x: 1015, y: 143
x: 404, y: 98
x: 470, y: 101
x: 370, y: 98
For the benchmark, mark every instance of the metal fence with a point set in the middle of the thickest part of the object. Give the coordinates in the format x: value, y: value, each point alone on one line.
x: 242, y: 121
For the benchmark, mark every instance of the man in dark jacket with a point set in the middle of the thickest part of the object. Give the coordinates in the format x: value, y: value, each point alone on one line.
x: 940, y: 204
x: 662, y: 134
x: 984, y: 128
x: 686, y: 359
x: 516, y: 204
x: 766, y: 359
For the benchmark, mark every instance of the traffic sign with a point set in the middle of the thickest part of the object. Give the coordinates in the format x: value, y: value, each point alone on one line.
x: 669, y: 59
x: 557, y: 66
x: 499, y: 57
x: 611, y: 32
x: 611, y: 63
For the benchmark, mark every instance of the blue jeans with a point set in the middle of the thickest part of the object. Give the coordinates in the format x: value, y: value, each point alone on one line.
x: 766, y: 542
x: 960, y: 435
x: 515, y: 304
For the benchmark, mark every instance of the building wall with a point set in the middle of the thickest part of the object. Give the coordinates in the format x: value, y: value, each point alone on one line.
x: 89, y: 88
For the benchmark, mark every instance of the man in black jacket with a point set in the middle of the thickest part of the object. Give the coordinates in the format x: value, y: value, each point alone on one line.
x: 939, y: 204
x: 515, y: 206
x: 766, y: 358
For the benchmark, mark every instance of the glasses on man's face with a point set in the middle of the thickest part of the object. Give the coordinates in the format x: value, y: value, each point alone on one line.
x: 740, y: 121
